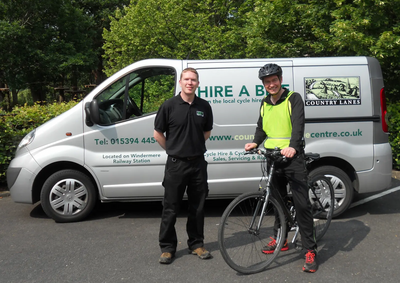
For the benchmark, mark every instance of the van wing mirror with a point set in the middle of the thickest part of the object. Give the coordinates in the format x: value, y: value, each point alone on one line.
x: 92, y: 113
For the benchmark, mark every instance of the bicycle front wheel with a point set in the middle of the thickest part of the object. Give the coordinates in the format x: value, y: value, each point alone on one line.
x: 245, y: 229
x: 322, y: 200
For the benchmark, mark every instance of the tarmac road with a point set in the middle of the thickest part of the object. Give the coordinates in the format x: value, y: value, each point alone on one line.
x: 119, y: 243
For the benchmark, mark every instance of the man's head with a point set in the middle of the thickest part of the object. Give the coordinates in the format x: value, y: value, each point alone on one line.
x: 271, y: 76
x: 269, y: 69
x: 193, y: 70
x: 189, y: 81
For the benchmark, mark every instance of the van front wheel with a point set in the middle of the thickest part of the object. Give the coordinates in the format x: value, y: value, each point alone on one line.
x: 342, y: 186
x: 68, y: 196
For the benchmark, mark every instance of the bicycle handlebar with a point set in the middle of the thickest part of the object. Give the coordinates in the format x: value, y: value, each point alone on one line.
x: 273, y: 154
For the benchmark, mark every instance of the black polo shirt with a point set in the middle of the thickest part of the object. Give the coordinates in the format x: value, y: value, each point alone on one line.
x: 184, y: 125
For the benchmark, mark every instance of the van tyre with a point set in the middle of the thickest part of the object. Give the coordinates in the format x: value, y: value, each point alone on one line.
x: 68, y: 196
x: 342, y: 186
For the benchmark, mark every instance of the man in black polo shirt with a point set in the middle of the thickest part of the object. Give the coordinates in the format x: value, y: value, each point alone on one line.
x: 182, y: 126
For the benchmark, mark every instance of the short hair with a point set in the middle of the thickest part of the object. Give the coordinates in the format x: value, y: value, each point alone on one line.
x: 193, y: 70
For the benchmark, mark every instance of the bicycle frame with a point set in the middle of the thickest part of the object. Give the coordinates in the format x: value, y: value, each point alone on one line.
x: 269, y: 189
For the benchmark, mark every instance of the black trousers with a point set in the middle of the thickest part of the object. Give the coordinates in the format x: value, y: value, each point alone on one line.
x: 180, y: 176
x: 296, y: 170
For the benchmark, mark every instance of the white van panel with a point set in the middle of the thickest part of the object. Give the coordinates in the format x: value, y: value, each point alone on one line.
x: 351, y: 142
x: 234, y: 88
x: 126, y: 161
x: 60, y: 138
x: 352, y: 107
x: 379, y: 177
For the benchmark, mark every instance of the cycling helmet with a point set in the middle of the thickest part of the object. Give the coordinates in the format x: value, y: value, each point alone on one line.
x: 269, y: 70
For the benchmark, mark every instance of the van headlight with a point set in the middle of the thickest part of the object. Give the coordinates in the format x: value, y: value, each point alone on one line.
x: 27, y: 140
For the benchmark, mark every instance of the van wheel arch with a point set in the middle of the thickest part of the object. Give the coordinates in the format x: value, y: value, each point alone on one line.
x: 50, y: 169
x: 342, y: 185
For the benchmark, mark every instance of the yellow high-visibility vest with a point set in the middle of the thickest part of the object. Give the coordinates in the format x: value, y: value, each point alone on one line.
x: 277, y: 123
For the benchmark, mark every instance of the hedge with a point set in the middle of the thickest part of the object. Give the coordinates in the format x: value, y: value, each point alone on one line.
x: 394, y: 129
x: 20, y: 121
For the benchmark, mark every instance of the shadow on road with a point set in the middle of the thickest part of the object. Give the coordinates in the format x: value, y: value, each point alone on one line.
x: 213, y: 208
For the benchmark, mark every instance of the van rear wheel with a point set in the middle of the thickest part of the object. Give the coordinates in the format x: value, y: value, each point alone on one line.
x: 68, y: 196
x: 342, y: 186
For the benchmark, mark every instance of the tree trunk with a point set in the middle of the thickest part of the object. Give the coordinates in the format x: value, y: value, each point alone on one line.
x: 14, y: 98
x: 37, y: 92
x: 98, y: 73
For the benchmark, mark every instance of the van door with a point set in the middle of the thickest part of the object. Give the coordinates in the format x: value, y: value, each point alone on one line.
x: 120, y: 150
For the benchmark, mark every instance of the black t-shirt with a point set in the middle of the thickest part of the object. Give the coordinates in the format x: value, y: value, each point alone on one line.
x: 184, y: 125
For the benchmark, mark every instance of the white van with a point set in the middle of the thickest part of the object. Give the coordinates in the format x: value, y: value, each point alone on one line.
x: 103, y: 148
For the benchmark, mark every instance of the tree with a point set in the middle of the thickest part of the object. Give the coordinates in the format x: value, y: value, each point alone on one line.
x: 175, y: 29
x: 100, y: 12
x: 371, y: 27
x: 43, y: 42
x: 13, y: 51
x: 283, y: 28
x: 212, y: 29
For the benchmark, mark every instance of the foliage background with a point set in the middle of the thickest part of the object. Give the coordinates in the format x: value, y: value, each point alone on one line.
x: 394, y: 129
x: 51, y: 43
x: 219, y: 29
x: 19, y: 122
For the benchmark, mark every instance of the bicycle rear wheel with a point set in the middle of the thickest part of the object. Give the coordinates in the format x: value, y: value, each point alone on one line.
x: 322, y: 200
x: 239, y: 240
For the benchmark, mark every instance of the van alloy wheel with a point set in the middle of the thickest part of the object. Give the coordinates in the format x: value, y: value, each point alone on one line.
x: 68, y: 195
x: 342, y: 186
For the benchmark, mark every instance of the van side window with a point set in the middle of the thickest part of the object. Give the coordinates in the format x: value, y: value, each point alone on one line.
x: 137, y: 94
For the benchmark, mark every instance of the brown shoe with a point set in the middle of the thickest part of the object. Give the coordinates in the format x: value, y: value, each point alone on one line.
x: 202, y: 253
x: 166, y: 258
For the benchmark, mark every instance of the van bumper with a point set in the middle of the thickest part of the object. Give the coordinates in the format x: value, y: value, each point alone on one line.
x: 21, y: 189
x: 380, y: 176
x: 21, y: 175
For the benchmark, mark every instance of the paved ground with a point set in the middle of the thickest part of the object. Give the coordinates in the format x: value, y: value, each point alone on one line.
x: 118, y: 243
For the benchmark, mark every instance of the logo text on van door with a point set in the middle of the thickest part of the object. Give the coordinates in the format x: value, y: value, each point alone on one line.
x: 326, y: 134
x: 123, y: 141
x: 229, y: 94
x: 232, y: 138
x: 331, y: 91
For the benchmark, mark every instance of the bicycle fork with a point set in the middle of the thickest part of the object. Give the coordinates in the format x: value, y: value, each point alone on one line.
x: 264, y: 202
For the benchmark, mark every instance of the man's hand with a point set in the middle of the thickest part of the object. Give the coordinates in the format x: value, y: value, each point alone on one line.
x: 289, y: 152
x: 249, y: 146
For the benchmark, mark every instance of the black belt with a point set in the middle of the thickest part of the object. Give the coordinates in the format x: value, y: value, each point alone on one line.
x: 186, y: 158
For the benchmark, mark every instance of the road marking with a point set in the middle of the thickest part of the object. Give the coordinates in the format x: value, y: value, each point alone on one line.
x: 374, y: 197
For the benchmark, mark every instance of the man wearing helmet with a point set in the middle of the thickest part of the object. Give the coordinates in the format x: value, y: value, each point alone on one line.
x: 281, y: 124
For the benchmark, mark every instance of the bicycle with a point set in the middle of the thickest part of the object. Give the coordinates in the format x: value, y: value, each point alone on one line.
x: 247, y: 224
